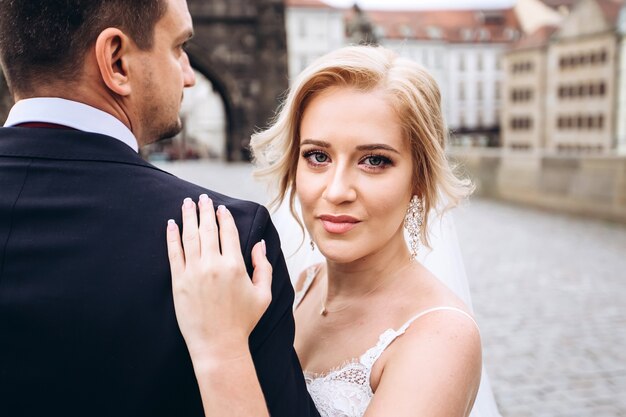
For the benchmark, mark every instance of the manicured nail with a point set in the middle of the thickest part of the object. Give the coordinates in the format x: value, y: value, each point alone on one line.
x: 264, y: 247
x: 204, y: 198
x: 188, y: 203
x: 222, y: 209
x: 171, y: 224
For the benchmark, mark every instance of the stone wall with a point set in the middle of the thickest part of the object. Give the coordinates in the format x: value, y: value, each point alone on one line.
x: 593, y: 186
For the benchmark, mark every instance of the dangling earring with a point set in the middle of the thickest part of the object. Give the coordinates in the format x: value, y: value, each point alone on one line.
x: 413, y: 224
x: 312, y: 244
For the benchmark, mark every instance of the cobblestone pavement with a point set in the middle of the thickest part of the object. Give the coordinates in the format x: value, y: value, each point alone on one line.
x: 549, y: 292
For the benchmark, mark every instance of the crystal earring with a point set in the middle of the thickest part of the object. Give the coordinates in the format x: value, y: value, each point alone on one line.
x: 413, y: 224
x: 312, y: 244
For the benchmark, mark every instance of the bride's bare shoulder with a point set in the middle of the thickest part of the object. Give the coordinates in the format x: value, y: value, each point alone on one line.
x: 309, y: 272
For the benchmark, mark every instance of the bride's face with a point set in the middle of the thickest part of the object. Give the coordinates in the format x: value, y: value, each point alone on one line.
x: 354, y: 174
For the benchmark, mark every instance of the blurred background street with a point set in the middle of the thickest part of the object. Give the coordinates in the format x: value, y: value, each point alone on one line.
x: 548, y: 291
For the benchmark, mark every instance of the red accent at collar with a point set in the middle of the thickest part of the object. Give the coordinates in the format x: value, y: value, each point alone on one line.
x: 44, y: 125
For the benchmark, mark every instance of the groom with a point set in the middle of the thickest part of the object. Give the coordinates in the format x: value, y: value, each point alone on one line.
x: 87, y: 323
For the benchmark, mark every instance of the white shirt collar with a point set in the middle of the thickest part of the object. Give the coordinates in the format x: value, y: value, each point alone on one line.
x: 71, y: 114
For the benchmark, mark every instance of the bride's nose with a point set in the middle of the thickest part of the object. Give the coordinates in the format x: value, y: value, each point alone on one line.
x: 340, y: 187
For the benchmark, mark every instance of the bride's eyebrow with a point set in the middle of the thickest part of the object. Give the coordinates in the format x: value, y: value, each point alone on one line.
x: 314, y: 142
x: 376, y: 147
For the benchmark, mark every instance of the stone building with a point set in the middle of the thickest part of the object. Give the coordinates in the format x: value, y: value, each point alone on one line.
x: 621, y: 75
x: 562, y: 83
x: 524, y: 91
x: 582, y: 78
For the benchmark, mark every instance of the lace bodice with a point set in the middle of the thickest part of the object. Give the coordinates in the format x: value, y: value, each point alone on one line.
x: 346, y: 391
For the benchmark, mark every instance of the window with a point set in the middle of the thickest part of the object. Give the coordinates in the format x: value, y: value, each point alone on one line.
x: 438, y: 58
x: 521, y: 123
x: 434, y: 32
x: 603, y: 56
x: 461, y: 91
x: 406, y: 31
x: 461, y: 62
x: 479, y: 62
x: 479, y: 90
x: 302, y: 28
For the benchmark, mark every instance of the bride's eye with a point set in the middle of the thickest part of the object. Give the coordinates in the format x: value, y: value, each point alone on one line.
x: 376, y: 161
x: 316, y: 158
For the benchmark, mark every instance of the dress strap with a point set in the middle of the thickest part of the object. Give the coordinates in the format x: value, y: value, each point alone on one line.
x: 371, y: 356
x: 311, y: 273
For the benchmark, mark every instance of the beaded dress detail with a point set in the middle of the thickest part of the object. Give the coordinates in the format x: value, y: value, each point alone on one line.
x: 346, y: 391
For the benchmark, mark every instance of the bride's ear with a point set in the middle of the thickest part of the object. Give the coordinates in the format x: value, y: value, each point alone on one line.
x: 112, y: 55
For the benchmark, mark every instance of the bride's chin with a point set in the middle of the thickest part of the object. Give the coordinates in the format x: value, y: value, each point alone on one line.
x: 340, y: 253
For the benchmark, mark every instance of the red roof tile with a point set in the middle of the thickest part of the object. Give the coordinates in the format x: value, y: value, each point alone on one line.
x: 610, y: 9
x: 537, y: 39
x: 315, y: 4
x: 449, y: 25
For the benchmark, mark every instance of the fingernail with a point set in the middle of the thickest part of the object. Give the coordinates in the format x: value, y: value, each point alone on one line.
x: 188, y: 203
x: 171, y: 224
x: 264, y: 247
x: 204, y: 198
x: 222, y: 209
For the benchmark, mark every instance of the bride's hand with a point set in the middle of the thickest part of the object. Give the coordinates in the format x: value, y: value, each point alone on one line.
x: 217, y: 305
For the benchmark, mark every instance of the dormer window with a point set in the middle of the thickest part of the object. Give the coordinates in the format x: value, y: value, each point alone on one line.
x: 406, y: 31
x: 434, y: 32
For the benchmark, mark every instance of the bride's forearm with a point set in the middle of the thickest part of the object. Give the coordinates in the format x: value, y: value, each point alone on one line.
x: 228, y: 383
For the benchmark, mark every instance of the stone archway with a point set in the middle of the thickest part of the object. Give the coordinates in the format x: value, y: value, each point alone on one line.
x: 241, y: 46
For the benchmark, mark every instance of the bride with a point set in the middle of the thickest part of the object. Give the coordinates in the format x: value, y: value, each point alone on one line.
x: 360, y: 142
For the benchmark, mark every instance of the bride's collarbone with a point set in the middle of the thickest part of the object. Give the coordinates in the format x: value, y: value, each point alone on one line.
x: 327, y: 343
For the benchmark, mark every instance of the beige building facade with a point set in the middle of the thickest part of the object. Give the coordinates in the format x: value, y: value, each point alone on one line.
x: 523, y: 110
x: 582, y: 80
x: 562, y: 84
x: 621, y: 93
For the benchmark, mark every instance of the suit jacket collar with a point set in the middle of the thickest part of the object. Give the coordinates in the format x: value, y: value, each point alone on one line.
x: 72, y: 145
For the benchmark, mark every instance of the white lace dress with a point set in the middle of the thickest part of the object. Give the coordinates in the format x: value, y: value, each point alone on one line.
x: 346, y: 391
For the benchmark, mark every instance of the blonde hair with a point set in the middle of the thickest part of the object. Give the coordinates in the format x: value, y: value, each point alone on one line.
x: 411, y: 91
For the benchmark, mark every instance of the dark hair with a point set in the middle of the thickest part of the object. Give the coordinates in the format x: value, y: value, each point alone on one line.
x: 44, y: 38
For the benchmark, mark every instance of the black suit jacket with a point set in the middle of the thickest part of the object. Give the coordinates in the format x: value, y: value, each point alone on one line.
x: 87, y: 323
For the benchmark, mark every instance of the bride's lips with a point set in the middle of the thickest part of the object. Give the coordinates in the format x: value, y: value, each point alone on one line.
x: 338, y: 224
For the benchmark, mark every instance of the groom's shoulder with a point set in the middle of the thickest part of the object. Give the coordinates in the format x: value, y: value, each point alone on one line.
x: 176, y: 189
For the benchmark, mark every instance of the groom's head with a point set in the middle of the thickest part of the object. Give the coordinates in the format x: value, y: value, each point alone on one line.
x: 123, y: 56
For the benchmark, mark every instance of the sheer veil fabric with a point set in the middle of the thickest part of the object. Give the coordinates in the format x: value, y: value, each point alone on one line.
x: 444, y: 260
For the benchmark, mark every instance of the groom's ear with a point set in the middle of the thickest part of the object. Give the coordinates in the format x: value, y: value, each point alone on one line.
x: 112, y: 54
